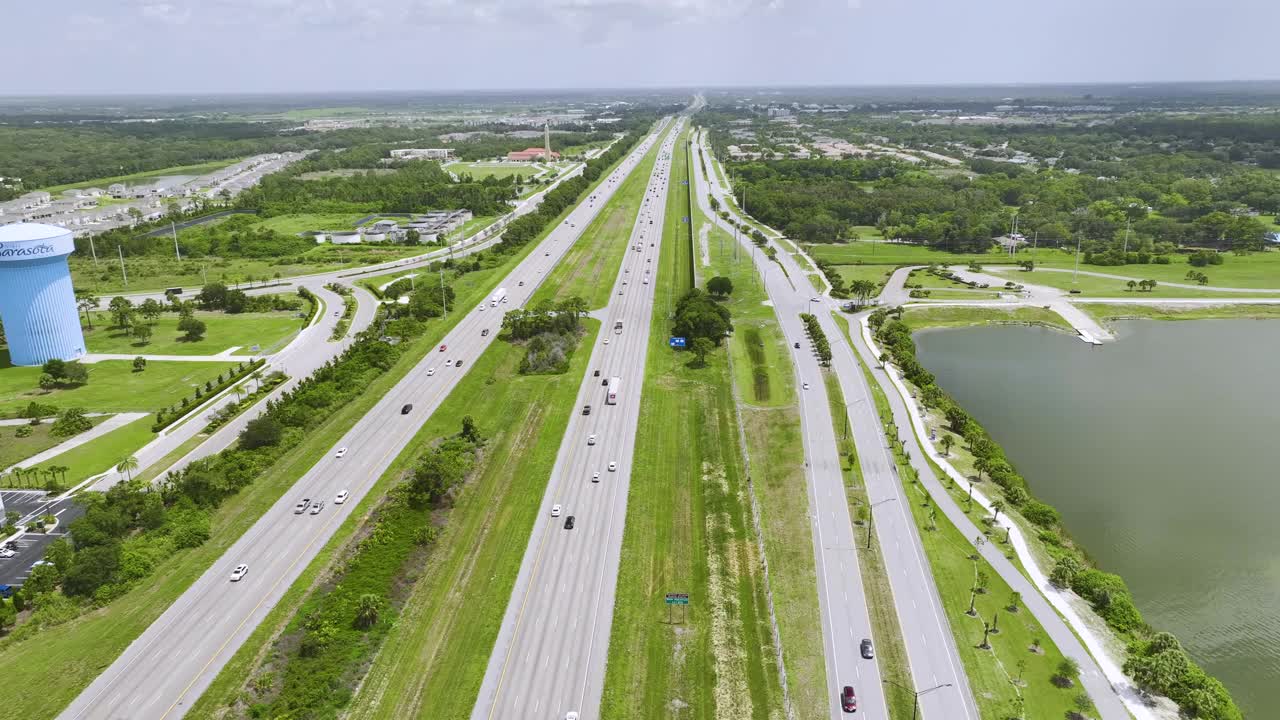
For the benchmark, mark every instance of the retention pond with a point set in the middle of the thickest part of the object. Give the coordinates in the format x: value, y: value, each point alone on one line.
x: 1160, y: 452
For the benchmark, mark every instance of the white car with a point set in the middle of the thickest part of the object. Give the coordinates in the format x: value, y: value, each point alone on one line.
x: 555, y: 510
x: 806, y: 386
x: 595, y: 477
x: 646, y: 280
x: 571, y: 715
x: 315, y: 509
x: 606, y: 341
x: 341, y: 452
x: 341, y: 497
x: 431, y: 371
x: 448, y: 363
x: 240, y: 571
x: 613, y: 466
x: 6, y: 553
x: 591, y: 439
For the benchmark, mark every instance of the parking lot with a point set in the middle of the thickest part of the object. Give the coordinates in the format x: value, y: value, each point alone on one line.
x: 30, y: 547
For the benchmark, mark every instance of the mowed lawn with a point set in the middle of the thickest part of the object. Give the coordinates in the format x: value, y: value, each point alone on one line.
x: 295, y: 223
x: 102, y: 453
x: 14, y: 449
x: 482, y: 170
x: 268, y: 330
x: 1093, y: 286
x: 113, y: 386
x: 688, y: 530
x: 591, y: 265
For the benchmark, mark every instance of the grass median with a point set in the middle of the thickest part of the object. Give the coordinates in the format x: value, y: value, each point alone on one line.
x: 688, y: 529
x: 588, y: 269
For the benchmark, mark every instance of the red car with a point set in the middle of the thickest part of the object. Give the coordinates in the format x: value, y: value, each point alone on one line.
x: 443, y: 348
x: 848, y: 700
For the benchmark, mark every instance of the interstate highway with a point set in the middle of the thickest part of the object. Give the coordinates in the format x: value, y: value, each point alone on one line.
x: 166, y: 668
x: 550, y: 654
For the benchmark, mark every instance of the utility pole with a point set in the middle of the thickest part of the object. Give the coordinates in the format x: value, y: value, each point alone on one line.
x: 174, y: 229
x: 125, y: 273
x: 1127, y: 223
x: 1076, y: 273
x: 93, y: 250
x: 443, y: 299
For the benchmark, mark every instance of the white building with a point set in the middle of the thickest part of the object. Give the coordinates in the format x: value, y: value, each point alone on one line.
x: 422, y: 154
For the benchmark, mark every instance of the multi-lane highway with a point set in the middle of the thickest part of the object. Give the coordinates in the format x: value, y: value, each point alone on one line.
x: 930, y: 647
x: 550, y: 654
x: 166, y: 668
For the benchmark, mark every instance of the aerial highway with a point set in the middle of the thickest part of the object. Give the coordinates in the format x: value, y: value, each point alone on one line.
x: 167, y: 667
x: 930, y: 647
x: 550, y: 654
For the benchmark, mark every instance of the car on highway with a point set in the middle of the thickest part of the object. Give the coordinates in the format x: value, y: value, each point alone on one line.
x: 613, y: 466
x: 606, y: 341
x: 336, y: 313
x: 406, y: 409
x: 341, y: 497
x: 848, y: 700
x: 595, y: 476
x: 342, y: 452
x: 443, y: 348
x: 240, y: 571
x: 458, y: 364
x: 619, y: 292
x: 448, y: 363
x: 315, y: 509
x: 521, y: 283
x: 591, y: 439
x: 431, y: 371
x: 806, y: 386
x: 596, y: 373
x: 555, y: 510
x: 815, y: 299
x: 646, y: 279
x: 797, y: 346
x: 484, y: 332
x: 868, y: 650
x: 568, y: 523
x: 586, y: 409
x: 302, y: 506
x: 571, y: 715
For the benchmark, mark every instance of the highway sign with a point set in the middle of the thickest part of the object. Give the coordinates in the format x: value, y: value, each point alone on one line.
x: 676, y: 342
x: 677, y: 598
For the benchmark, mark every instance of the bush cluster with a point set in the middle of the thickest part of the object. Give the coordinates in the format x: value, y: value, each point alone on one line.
x: 818, y: 337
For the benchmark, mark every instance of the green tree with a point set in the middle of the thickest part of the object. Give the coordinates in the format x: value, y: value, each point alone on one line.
x: 151, y: 309
x: 128, y: 466
x: 367, y: 608
x: 697, y: 315
x: 121, y: 311
x: 141, y: 331
x: 86, y: 301
x: 194, y: 329
x: 47, y: 382
x: 261, y: 431
x: 72, y: 421
x: 947, y: 442
x: 1067, y: 671
x: 701, y: 348
x: 469, y: 431
x: 720, y: 286
x: 76, y: 373
x: 139, y: 364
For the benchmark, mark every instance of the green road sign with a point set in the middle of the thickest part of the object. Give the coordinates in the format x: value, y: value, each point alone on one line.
x: 677, y: 598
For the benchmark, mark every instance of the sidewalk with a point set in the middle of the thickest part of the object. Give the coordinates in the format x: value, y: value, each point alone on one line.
x: 118, y: 421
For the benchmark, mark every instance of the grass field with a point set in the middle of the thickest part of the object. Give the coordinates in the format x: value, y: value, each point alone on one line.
x: 142, y: 177
x: 113, y: 386
x: 269, y: 330
x: 14, y: 449
x: 590, y: 266
x: 921, y: 317
x: 48, y: 671
x: 879, y: 252
x: 878, y: 274
x: 294, y: 223
x: 102, y: 453
x: 482, y: 170
x: 1089, y: 285
x: 688, y: 529
x: 1104, y: 311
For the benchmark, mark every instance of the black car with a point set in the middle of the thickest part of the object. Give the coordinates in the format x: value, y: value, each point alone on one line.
x: 405, y: 410
x: 797, y: 346
x: 868, y: 651
x: 484, y: 332
x: 568, y: 523
x: 458, y: 364
x: 597, y: 373
x: 586, y: 409
x: 604, y: 382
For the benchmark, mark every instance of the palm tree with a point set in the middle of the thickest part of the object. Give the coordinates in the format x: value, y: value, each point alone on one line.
x: 367, y: 608
x: 947, y: 443
x: 996, y: 507
x: 1132, y: 284
x: 128, y: 466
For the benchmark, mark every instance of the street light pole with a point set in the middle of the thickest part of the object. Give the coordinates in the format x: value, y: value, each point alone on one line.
x: 915, y: 702
x: 871, y: 516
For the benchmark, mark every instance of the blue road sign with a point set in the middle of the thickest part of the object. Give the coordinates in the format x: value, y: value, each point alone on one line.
x: 676, y: 342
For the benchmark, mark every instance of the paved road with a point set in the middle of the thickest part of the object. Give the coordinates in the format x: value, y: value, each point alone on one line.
x: 841, y: 595
x: 550, y: 654
x: 167, y: 668
x: 930, y: 646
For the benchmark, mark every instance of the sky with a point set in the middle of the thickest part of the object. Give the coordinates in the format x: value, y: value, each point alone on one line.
x: 211, y: 46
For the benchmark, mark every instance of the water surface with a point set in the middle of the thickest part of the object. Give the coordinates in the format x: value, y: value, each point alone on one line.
x: 1159, y: 450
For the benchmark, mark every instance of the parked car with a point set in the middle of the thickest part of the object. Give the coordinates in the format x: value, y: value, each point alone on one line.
x: 341, y: 497
x: 6, y: 591
x: 240, y: 571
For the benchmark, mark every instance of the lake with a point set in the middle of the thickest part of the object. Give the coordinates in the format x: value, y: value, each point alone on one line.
x: 1160, y: 452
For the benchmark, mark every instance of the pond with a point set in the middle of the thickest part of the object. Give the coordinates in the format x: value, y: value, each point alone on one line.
x: 1159, y: 450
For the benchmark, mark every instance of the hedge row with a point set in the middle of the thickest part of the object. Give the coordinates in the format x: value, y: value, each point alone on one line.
x: 174, y: 413
x: 818, y: 337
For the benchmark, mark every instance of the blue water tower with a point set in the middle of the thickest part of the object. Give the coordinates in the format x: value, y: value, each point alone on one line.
x: 37, y: 301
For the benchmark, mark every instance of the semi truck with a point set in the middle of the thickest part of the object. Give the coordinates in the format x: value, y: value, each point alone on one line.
x: 615, y: 384
x: 499, y: 296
